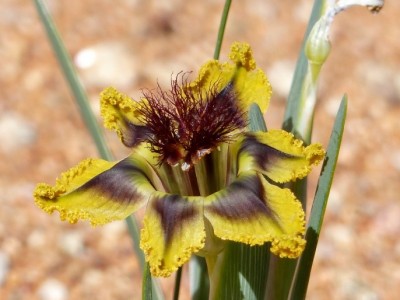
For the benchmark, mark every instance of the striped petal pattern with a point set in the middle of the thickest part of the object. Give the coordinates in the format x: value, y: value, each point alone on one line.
x: 278, y: 155
x: 253, y: 211
x: 97, y: 190
x: 173, y: 230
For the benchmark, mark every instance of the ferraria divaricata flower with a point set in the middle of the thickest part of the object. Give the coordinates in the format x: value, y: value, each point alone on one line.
x: 203, y: 177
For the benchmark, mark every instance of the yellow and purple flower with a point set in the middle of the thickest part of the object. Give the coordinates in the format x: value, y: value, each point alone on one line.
x: 203, y: 177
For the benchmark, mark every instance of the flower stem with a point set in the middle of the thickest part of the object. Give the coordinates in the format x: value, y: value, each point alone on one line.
x: 221, y: 30
x: 201, y: 174
x: 193, y: 182
x: 177, y: 283
x: 73, y: 80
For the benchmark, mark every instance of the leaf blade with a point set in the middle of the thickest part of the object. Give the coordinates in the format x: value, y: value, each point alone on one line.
x: 299, y: 287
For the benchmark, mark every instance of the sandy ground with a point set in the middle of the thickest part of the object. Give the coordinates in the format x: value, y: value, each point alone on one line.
x: 131, y: 45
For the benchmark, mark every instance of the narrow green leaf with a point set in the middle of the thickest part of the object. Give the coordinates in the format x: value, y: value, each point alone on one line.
x: 302, y: 276
x: 256, y: 119
x: 147, y: 290
x: 133, y: 230
x: 73, y: 80
x: 281, y: 271
x: 243, y: 272
x: 221, y: 30
x: 199, y: 281
x: 177, y: 286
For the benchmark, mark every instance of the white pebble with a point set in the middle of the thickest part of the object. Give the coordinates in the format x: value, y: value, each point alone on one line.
x: 53, y: 289
x: 4, y: 267
x: 15, y: 132
x: 72, y: 243
x: 280, y: 74
x: 107, y: 63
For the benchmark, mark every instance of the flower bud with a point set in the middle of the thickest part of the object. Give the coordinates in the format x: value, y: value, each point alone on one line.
x: 318, y: 45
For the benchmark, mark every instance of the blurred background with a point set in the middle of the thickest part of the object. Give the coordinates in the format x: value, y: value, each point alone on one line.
x: 132, y: 44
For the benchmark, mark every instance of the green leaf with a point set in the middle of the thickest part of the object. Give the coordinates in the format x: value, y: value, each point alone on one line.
x: 302, y: 276
x: 281, y: 271
x: 147, y: 284
x: 133, y: 229
x: 256, y: 119
x: 221, y: 30
x: 73, y: 80
x: 199, y: 281
x: 243, y: 271
x: 177, y: 286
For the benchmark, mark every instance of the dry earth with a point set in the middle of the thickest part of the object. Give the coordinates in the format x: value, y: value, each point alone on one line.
x: 131, y: 45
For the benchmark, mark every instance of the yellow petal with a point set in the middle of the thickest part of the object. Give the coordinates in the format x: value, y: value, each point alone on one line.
x: 250, y: 82
x: 253, y: 211
x: 121, y: 114
x: 97, y: 190
x: 278, y: 155
x: 173, y: 229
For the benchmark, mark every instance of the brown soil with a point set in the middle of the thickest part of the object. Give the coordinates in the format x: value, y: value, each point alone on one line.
x: 140, y: 42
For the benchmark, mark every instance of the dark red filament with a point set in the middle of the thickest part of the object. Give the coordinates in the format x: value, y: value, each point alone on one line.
x: 186, y: 123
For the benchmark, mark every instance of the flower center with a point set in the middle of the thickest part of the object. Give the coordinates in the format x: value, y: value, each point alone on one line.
x: 186, y: 123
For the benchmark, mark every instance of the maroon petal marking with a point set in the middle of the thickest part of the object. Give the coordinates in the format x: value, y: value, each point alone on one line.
x: 133, y: 134
x: 243, y: 199
x: 117, y: 183
x: 264, y: 155
x: 174, y: 212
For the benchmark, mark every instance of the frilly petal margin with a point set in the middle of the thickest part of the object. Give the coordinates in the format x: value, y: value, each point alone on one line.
x: 250, y: 82
x: 121, y: 114
x: 278, y: 155
x: 173, y: 230
x: 97, y: 190
x: 253, y: 211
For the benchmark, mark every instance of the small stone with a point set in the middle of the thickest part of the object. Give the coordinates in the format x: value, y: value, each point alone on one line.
x: 105, y: 64
x: 111, y: 234
x: 36, y: 239
x: 395, y: 160
x: 92, y: 278
x: 280, y: 74
x: 72, y: 243
x: 331, y: 105
x: 341, y: 235
x: 52, y: 289
x: 302, y: 11
x: 15, y: 132
x: 4, y: 267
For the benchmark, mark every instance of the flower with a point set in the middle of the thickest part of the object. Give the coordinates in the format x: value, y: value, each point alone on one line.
x: 201, y: 175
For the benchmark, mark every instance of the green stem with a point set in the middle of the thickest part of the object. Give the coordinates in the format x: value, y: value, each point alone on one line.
x: 73, y: 80
x: 177, y: 283
x: 133, y: 230
x: 193, y: 181
x: 221, y: 30
x: 147, y: 291
x: 202, y: 176
x: 199, y: 280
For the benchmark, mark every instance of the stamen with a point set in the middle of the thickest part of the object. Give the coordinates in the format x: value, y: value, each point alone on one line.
x: 187, y: 123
